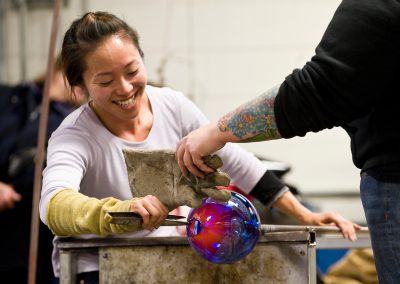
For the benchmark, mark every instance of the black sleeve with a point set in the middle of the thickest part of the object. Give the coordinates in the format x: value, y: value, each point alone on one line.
x: 354, y: 68
x: 268, y: 189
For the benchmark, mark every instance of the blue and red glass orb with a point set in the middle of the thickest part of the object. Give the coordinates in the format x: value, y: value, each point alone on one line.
x: 224, y: 232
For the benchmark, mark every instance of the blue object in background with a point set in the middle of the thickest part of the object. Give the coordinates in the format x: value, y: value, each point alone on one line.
x: 327, y: 257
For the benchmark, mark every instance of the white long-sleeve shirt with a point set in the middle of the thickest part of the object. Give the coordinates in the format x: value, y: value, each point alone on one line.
x: 83, y: 155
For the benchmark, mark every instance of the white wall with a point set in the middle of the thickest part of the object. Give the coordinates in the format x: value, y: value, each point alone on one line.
x: 221, y: 53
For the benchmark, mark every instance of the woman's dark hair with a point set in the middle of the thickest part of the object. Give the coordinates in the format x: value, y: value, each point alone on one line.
x: 84, y: 35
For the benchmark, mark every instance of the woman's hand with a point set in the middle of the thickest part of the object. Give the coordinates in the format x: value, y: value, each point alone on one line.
x: 289, y: 205
x: 347, y: 228
x: 8, y: 196
x: 151, y: 209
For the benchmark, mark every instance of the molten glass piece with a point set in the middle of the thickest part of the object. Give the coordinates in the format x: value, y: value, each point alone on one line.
x: 224, y: 232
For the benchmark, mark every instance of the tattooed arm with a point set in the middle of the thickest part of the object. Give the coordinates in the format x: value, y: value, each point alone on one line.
x: 251, y: 122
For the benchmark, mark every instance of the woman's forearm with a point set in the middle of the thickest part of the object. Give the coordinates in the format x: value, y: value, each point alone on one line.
x: 289, y: 205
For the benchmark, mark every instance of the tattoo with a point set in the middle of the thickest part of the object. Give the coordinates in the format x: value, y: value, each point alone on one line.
x: 253, y: 121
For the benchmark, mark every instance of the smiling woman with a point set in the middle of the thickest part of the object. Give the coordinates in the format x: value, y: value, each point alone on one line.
x: 86, y: 175
x: 112, y: 73
x: 115, y: 81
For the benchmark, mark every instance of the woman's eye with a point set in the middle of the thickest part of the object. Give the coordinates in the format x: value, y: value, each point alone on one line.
x: 105, y: 84
x: 131, y: 73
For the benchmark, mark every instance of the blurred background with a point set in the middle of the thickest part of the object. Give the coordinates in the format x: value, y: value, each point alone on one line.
x: 219, y: 53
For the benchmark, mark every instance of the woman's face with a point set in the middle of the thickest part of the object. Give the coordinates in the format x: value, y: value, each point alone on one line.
x: 115, y: 80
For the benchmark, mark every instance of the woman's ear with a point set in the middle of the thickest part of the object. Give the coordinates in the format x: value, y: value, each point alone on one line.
x: 79, y: 94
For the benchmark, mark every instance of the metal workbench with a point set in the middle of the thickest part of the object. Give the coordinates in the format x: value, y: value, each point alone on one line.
x: 279, y: 257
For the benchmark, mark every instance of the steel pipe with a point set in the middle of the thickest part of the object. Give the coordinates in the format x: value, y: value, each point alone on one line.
x: 291, y: 228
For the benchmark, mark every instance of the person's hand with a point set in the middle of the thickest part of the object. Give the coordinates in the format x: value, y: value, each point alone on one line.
x: 198, y: 144
x: 8, y: 196
x: 289, y: 205
x: 347, y: 228
x: 151, y: 209
x: 156, y: 172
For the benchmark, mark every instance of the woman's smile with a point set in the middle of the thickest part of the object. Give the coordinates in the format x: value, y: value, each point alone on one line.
x: 127, y: 103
